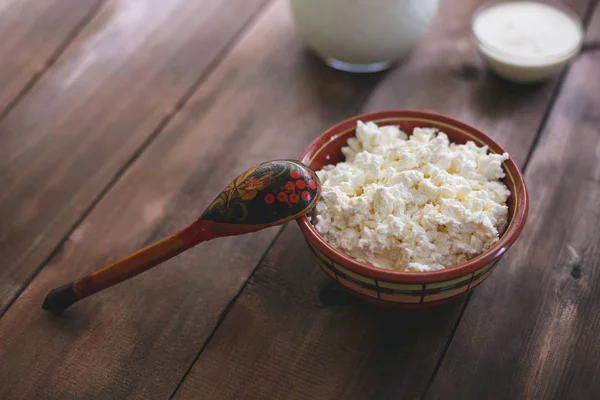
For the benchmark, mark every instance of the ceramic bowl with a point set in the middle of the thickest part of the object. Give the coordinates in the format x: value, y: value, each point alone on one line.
x: 411, y: 289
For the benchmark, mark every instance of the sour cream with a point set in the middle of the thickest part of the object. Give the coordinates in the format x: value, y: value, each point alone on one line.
x: 527, y: 41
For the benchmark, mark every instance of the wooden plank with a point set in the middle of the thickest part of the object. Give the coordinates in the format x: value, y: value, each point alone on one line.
x: 34, y: 33
x: 593, y: 32
x: 293, y: 335
x: 266, y: 100
x: 533, y: 330
x: 88, y: 116
x: 289, y: 334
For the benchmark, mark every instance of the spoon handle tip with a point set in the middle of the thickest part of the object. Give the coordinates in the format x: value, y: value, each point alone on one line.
x: 59, y: 299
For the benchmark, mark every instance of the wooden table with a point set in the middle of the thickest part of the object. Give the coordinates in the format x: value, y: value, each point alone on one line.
x: 121, y: 119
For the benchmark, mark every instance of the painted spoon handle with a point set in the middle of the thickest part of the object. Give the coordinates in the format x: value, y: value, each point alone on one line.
x: 60, y: 298
x: 248, y: 204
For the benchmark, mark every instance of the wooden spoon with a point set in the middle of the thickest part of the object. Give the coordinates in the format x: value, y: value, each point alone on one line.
x: 269, y: 194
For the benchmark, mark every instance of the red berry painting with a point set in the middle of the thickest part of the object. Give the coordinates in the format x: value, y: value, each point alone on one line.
x: 273, y: 189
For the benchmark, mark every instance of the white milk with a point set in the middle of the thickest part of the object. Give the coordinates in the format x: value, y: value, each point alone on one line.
x: 362, y: 35
x: 526, y: 41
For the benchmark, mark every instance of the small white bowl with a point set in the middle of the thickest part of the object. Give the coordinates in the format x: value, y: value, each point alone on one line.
x: 526, y: 68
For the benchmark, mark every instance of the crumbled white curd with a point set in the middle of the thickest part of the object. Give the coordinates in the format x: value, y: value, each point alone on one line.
x: 417, y: 203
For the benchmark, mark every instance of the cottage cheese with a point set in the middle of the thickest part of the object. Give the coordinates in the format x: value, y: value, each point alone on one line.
x: 417, y: 203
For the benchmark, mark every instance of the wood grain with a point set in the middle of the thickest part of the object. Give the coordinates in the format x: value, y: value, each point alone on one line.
x: 65, y: 141
x: 533, y: 329
x: 34, y: 33
x: 290, y: 335
x: 266, y: 100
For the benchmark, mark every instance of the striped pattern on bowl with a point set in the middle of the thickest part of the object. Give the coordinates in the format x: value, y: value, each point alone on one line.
x: 400, y: 292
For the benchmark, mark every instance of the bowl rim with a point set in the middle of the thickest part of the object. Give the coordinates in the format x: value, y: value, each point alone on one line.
x: 513, y: 230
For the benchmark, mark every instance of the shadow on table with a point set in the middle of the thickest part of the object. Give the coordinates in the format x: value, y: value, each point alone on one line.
x: 332, y: 294
x: 497, y: 97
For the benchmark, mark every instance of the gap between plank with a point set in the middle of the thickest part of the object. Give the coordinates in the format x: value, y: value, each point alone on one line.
x: 446, y: 346
x: 226, y: 310
x: 60, y: 49
x: 136, y: 154
x: 586, y: 20
x: 590, y: 47
x: 587, y: 16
